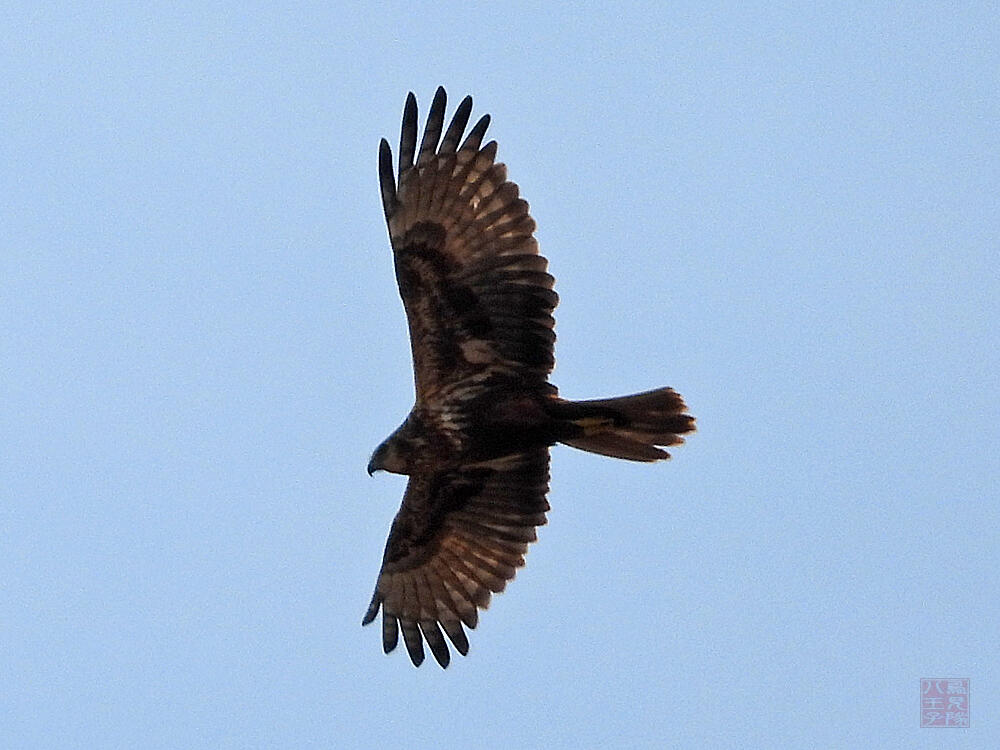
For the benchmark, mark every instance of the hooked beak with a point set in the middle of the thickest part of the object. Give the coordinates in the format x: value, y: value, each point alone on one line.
x: 372, y: 468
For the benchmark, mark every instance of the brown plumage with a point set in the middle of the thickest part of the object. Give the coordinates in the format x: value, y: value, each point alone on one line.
x: 479, y: 303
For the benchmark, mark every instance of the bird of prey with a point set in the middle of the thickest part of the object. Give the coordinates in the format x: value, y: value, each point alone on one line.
x: 479, y: 303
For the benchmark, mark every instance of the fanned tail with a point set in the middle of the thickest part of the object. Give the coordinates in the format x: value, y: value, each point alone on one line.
x: 629, y: 427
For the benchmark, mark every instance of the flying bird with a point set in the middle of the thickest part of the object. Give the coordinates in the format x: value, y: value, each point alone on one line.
x: 479, y: 301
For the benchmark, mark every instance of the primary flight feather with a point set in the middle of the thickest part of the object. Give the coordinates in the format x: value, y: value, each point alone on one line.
x: 479, y: 302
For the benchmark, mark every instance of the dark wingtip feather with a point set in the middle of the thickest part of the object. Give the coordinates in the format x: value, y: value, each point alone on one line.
x: 457, y: 127
x: 470, y: 618
x: 386, y: 178
x: 432, y: 130
x: 390, y: 633
x: 432, y: 634
x: 373, y: 608
x: 408, y: 134
x: 475, y: 136
x: 413, y: 641
x: 454, y: 630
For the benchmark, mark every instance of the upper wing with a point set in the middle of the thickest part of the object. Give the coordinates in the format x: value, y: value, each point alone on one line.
x: 459, y: 535
x: 476, y: 291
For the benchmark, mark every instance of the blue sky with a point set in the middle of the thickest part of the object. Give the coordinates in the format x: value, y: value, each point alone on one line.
x: 788, y: 213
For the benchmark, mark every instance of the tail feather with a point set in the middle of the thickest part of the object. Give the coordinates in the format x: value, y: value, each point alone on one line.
x: 629, y: 427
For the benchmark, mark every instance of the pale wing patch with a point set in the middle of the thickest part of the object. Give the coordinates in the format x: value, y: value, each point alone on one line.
x: 477, y: 352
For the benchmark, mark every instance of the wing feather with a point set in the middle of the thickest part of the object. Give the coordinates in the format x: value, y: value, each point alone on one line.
x: 458, y: 538
x: 432, y: 130
x: 457, y: 636
x: 414, y: 643
x: 477, y: 592
x: 432, y: 634
x: 457, y: 127
x: 461, y: 602
x: 390, y: 633
x: 386, y: 178
x: 477, y: 294
x: 408, y: 134
x: 475, y: 137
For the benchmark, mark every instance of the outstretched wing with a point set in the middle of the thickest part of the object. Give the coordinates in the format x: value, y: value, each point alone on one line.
x: 459, y: 536
x: 476, y: 291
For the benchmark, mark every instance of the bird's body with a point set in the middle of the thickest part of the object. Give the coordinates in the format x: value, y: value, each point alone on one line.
x: 479, y: 303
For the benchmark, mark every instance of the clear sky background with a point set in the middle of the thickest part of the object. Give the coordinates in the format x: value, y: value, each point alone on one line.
x: 788, y: 212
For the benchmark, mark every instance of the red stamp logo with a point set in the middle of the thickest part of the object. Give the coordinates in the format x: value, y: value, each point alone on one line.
x: 944, y: 702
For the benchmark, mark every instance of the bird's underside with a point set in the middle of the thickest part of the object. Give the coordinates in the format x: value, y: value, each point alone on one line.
x: 479, y: 301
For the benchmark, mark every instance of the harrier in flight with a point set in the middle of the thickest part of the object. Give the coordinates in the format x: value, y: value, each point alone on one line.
x: 475, y: 446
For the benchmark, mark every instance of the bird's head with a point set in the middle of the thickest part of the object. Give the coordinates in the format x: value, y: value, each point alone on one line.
x: 387, y: 457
